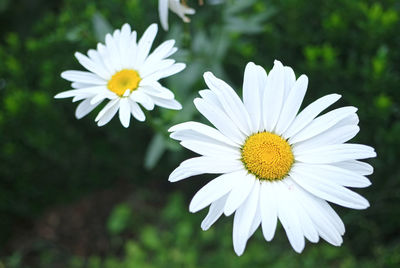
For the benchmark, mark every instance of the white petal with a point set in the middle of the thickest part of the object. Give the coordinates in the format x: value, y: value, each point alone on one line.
x: 322, y: 123
x: 251, y: 94
x: 215, y: 211
x: 95, y: 56
x: 145, y: 43
x: 163, y: 13
x: 84, y: 108
x: 212, y: 99
x: 356, y: 166
x: 239, y: 193
x: 292, y: 104
x: 290, y: 80
x: 243, y: 220
x: 142, y: 98
x: 232, y: 105
x: 160, y: 52
x: 336, y: 175
x: 256, y: 221
x: 92, y: 66
x: 204, y: 165
x: 268, y: 208
x: 75, y: 92
x: 201, y: 132
x: 109, y: 114
x: 211, y: 149
x: 173, y: 69
x: 83, y: 77
x: 124, y: 44
x: 273, y: 96
x: 102, y: 96
x: 150, y: 68
x: 157, y: 90
x: 169, y: 104
x: 335, y: 153
x: 113, y: 51
x: 220, y: 120
x: 136, y: 111
x: 309, y: 113
x: 327, y: 190
x: 106, y: 108
x: 329, y: 226
x: 213, y: 190
x: 288, y: 217
x: 334, y: 135
x: 124, y: 112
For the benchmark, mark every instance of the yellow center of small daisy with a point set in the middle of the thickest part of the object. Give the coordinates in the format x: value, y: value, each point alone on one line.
x: 267, y: 156
x: 123, y: 80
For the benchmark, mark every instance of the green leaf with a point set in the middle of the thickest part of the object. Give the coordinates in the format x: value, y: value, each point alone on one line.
x: 120, y: 218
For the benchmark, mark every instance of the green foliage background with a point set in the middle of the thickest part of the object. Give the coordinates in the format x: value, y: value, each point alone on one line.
x: 50, y: 159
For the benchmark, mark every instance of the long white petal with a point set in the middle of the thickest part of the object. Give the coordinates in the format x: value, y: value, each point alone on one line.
x: 243, y: 220
x: 92, y: 66
x: 215, y: 211
x: 219, y: 120
x: 166, y: 103
x: 359, y: 167
x: 211, y: 149
x: 334, y: 135
x: 239, y: 193
x: 322, y: 123
x: 336, y: 175
x: 109, y: 114
x: 124, y: 112
x: 327, y: 190
x: 163, y: 13
x: 335, y: 153
x: 136, y: 111
x: 268, y: 208
x: 251, y: 94
x: 273, y: 96
x: 204, y: 165
x: 83, y: 77
x: 309, y: 113
x: 199, y: 131
x: 288, y: 218
x: 84, y: 108
x: 145, y: 43
x: 232, y: 104
x: 292, y: 104
x: 142, y: 98
x: 213, y: 190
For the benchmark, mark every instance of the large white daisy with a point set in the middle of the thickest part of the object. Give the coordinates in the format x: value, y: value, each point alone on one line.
x: 176, y: 6
x: 275, y: 163
x: 125, y: 73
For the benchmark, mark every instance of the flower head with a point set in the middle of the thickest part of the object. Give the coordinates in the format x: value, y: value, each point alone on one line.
x: 275, y: 163
x: 180, y: 9
x: 124, y: 72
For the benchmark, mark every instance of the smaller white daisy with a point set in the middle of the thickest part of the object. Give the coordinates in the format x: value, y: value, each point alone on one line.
x: 125, y: 73
x: 275, y: 163
x: 181, y: 9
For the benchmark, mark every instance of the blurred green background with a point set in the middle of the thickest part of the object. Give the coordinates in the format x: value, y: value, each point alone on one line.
x: 76, y: 195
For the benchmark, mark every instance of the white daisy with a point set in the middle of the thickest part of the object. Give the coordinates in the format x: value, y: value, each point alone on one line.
x: 180, y: 9
x: 275, y: 163
x: 124, y: 72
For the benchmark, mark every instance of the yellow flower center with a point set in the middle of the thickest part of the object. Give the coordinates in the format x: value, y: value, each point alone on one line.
x: 267, y: 156
x: 123, y: 80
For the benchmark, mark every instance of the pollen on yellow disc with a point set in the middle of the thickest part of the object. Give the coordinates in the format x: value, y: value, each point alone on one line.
x: 267, y: 156
x: 123, y: 80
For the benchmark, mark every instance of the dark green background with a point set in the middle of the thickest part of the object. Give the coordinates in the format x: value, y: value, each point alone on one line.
x: 76, y: 195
